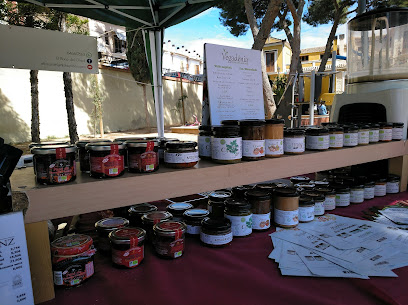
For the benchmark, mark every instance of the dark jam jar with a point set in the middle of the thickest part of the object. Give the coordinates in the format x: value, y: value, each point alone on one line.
x: 240, y: 214
x: 49, y: 143
x: 152, y: 218
x: 143, y: 156
x: 216, y: 233
x: 299, y: 179
x: 72, y: 259
x: 83, y: 155
x: 204, y: 141
x: 306, y: 208
x: 169, y: 238
x: 104, y: 227
x: 261, y: 209
x: 137, y: 211
x: 127, y: 246
x: 226, y: 144
x: 177, y: 209
x: 238, y: 192
x: 182, y: 154
x: 253, y: 139
x: 54, y: 164
x: 106, y: 159
x: 192, y: 218
x: 216, y: 203
x: 162, y: 146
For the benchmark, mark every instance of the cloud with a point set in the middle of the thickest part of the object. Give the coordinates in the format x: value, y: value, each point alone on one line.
x: 206, y: 13
x: 198, y: 44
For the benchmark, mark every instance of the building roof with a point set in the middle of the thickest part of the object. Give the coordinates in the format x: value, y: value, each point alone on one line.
x: 313, y: 50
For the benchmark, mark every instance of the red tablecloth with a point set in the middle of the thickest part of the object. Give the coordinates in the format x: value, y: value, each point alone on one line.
x: 238, y: 274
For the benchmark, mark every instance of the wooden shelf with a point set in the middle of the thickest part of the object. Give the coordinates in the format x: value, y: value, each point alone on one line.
x: 87, y: 194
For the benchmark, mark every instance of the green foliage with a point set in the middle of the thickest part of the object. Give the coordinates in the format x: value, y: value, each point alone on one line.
x: 278, y: 85
x: 323, y: 11
x: 136, y: 56
x: 22, y: 14
x: 389, y: 3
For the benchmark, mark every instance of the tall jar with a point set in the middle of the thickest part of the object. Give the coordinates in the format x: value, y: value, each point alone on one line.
x: 253, y: 139
x: 374, y: 135
x: 329, y: 198
x: 240, y: 215
x: 107, y: 159
x: 286, y: 207
x: 385, y: 132
x: 216, y: 233
x: 143, y: 156
x: 261, y: 209
x: 336, y: 136
x: 393, y: 184
x: 274, y: 138
x: 350, y: 135
x: 83, y: 155
x: 226, y: 144
x: 306, y: 209
x: 369, y: 190
x: 342, y: 195
x: 192, y: 218
x: 294, y: 141
x: 204, y: 141
x: 169, y: 238
x: 137, y: 211
x: 317, y: 139
x: 216, y: 203
x: 127, y: 246
x: 363, y: 134
x: 380, y: 188
x: 104, y: 227
x: 397, y: 131
x: 182, y: 154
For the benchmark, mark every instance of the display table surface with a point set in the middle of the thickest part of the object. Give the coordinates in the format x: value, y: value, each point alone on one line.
x: 238, y: 274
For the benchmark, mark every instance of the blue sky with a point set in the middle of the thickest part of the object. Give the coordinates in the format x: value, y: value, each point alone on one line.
x: 206, y: 28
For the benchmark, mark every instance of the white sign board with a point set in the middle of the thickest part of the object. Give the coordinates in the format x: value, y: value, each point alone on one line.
x: 15, y: 278
x: 35, y: 49
x: 234, y: 79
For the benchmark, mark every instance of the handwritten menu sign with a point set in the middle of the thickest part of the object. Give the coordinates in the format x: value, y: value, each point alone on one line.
x: 234, y: 79
x: 15, y: 278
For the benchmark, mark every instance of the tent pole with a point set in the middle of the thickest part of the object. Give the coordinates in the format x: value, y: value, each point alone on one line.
x: 159, y: 46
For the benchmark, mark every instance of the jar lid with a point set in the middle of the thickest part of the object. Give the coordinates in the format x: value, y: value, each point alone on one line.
x: 329, y: 124
x: 350, y: 128
x: 226, y: 128
x: 357, y: 186
x: 100, y: 146
x: 52, y: 149
x: 178, y: 208
x: 317, y: 131
x: 170, y: 228
x: 325, y: 190
x: 258, y: 195
x: 317, y: 196
x: 141, y: 143
x: 393, y: 178
x: 193, y: 214
x: 71, y: 245
x: 299, y: 179
x: 129, y: 235
x: 130, y: 138
x: 363, y: 126
x: 239, y: 191
x: 275, y: 121
x: 181, y: 145
x: 374, y: 125
x: 219, y: 224
x: 252, y: 122
x: 381, y: 180
x: 385, y: 124
x: 398, y: 125
x: 82, y: 143
x: 163, y: 140
x: 270, y: 186
x: 293, y: 132
x: 230, y: 122
x: 335, y: 128
x: 205, y: 127
x: 40, y: 144
x: 219, y: 196
x: 369, y: 184
x: 156, y: 216
x: 305, y: 200
x: 340, y: 188
x: 320, y: 183
x: 286, y: 192
x: 308, y: 186
x: 110, y: 224
x: 142, y: 208
x: 237, y: 204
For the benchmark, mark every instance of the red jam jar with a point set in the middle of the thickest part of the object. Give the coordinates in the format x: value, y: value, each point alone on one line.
x: 54, y: 164
x: 106, y: 159
x: 169, y: 238
x: 143, y: 156
x: 72, y: 259
x: 104, y: 227
x: 137, y: 211
x: 127, y: 246
x: 152, y: 218
x: 83, y: 155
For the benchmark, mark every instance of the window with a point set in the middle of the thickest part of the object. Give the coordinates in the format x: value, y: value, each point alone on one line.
x: 197, y: 69
x: 270, y: 61
x: 304, y: 58
x: 107, y: 39
x: 120, y: 45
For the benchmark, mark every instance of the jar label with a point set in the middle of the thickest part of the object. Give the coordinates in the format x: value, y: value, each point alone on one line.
x: 204, y: 146
x: 253, y: 148
x: 343, y: 200
x: 319, y: 208
x: 356, y: 196
x: 273, y: 147
x: 336, y: 140
x: 172, y: 249
x: 61, y: 171
x: 128, y: 258
x: 350, y: 139
x: 374, y: 135
x: 306, y: 213
x: 294, y: 145
x: 74, y: 273
x: 60, y: 153
x: 380, y: 190
x: 329, y: 203
x: 240, y: 225
x: 110, y: 165
x: 193, y: 230
x: 226, y: 148
x: 145, y: 162
x: 369, y: 192
x: 385, y: 134
x: 185, y: 157
x: 392, y: 187
x: 363, y: 137
x: 216, y: 240
x: 317, y: 142
x: 261, y: 221
x: 286, y: 218
x: 397, y: 133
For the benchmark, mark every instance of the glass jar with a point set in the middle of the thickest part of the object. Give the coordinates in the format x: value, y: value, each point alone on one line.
x: 192, y: 218
x: 393, y: 184
x: 369, y: 190
x: 261, y: 203
x: 294, y: 141
x: 230, y: 122
x: 216, y: 203
x: 54, y: 164
x: 127, y: 246
x: 72, y: 259
x: 299, y: 179
x: 48, y: 143
x: 274, y: 138
x: 106, y: 159
x: 152, y: 218
x: 182, y: 154
x: 83, y: 155
x: 104, y: 227
x: 137, y: 211
x: 143, y: 156
x: 363, y: 134
x: 216, y: 233
x: 329, y: 198
x: 320, y: 183
x: 357, y: 193
x: 204, y: 142
x: 270, y: 187
x: 380, y: 188
x: 286, y: 207
x: 306, y: 209
x: 319, y: 200
x: 350, y: 135
x: 226, y: 144
x: 162, y: 146
x: 301, y: 187
x: 385, y: 131
x: 342, y: 195
x: 397, y: 131
x: 169, y: 238
x: 336, y: 136
x: 240, y: 215
x: 177, y: 209
x: 374, y: 135
x: 317, y: 138
x: 131, y: 138
x: 238, y: 192
x: 253, y: 139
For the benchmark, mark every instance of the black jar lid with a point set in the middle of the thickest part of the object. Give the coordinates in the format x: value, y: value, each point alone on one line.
x: 320, y: 183
x: 178, y: 208
x: 240, y: 190
x: 305, y: 200
x: 299, y: 179
x: 340, y: 188
x: 110, y: 224
x: 205, y: 128
x: 141, y: 143
x: 98, y: 146
x: 252, y: 122
x: 129, y: 138
x: 317, y: 131
x: 194, y: 214
x: 156, y: 216
x: 258, y: 195
x: 82, y: 143
x: 369, y: 184
x: 52, y: 149
x: 350, y: 128
x: 381, y: 180
x: 219, y: 196
x: 393, y: 178
x: 170, y: 228
x: 216, y: 224
x: 305, y: 186
x: 286, y: 192
x: 385, y: 124
x: 397, y: 125
x: 294, y: 132
x: 41, y: 144
x: 181, y: 145
x: 329, y: 124
x: 230, y: 122
x: 141, y: 208
x: 235, y: 204
x: 227, y: 129
x: 357, y: 186
x: 335, y: 128
x: 317, y: 196
x: 163, y: 140
x: 374, y: 125
x: 325, y: 190
x: 128, y: 235
x: 275, y: 121
x: 363, y: 126
x: 270, y: 186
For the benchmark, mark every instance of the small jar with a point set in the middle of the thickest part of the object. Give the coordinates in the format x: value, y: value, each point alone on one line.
x: 363, y: 134
x: 192, y: 218
x: 177, y: 209
x: 270, y: 187
x: 393, y: 184
x: 216, y: 203
x: 204, y: 142
x: 182, y: 154
x: 317, y: 139
x: 294, y: 141
x: 216, y: 233
x: 357, y: 193
x: 385, y: 132
x: 130, y: 138
x: 107, y: 160
x: 230, y: 122
x: 274, y: 138
x: 342, y: 195
x: 369, y: 190
x: 83, y: 155
x: 240, y: 215
x: 169, y: 238
x: 261, y: 209
x: 162, y: 147
x: 152, y: 218
x: 329, y: 198
x: 72, y: 259
x: 306, y: 209
x: 253, y: 139
x: 54, y: 164
x: 137, y: 211
x: 350, y: 135
x: 48, y: 143
x: 226, y: 144
x: 380, y: 188
x: 374, y: 135
x: 320, y: 183
x: 319, y: 200
x: 397, y: 131
x: 104, y: 227
x: 336, y: 136
x: 286, y: 207
x: 299, y: 179
x: 238, y: 192
x: 301, y: 187
x: 127, y: 246
x: 143, y: 156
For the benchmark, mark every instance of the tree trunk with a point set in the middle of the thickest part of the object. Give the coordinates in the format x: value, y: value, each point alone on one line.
x: 69, y: 103
x: 329, y: 43
x: 269, y: 101
x: 35, y: 114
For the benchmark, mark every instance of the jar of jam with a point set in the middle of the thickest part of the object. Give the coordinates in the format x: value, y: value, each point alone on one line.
x: 397, y: 131
x: 393, y: 184
x: 363, y: 134
x: 152, y: 218
x: 104, y: 227
x: 137, y: 211
x: 143, y: 156
x: 226, y: 144
x: 320, y: 183
x: 54, y: 164
x: 342, y: 195
x: 238, y: 192
x: 106, y: 159
x: 336, y: 136
x: 294, y: 141
x: 350, y: 135
x: 357, y: 193
x: 317, y: 138
x: 301, y: 187
x: 380, y: 188
x: 374, y: 135
x: 253, y: 139
x: 216, y: 233
x: 177, y: 209
x: 72, y: 259
x: 369, y: 190
x: 306, y: 209
x: 192, y: 218
x: 299, y: 179
x: 261, y: 209
x: 162, y: 146
x: 274, y: 138
x: 286, y: 211
x: 216, y: 203
x: 329, y: 198
x: 48, y: 143
x: 240, y: 215
x: 169, y: 238
x: 385, y: 132
x: 319, y: 200
x: 182, y: 154
x: 131, y: 138
x: 270, y: 187
x: 204, y: 142
x: 230, y: 122
x: 127, y: 246
x: 83, y: 155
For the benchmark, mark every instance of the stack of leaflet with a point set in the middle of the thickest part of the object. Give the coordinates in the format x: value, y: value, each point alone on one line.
x: 336, y: 246
x: 392, y: 215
